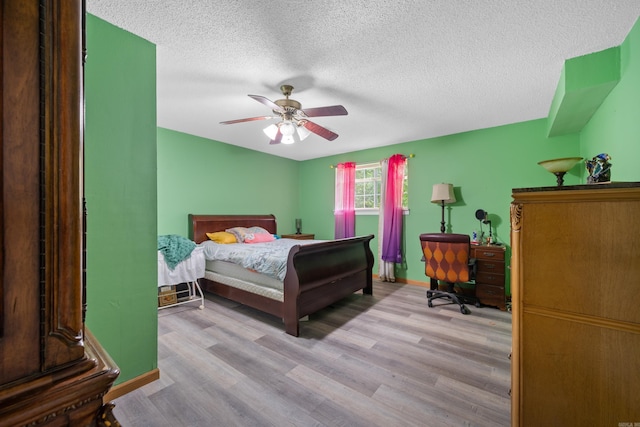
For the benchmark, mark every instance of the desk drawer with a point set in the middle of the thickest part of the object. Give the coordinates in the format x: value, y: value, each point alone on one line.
x: 490, y: 278
x: 491, y: 295
x: 492, y: 253
x: 490, y: 266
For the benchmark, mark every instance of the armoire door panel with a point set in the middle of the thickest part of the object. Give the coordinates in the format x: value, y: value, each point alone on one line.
x: 41, y: 177
x: 576, y: 268
x: 19, y: 145
x: 567, y: 382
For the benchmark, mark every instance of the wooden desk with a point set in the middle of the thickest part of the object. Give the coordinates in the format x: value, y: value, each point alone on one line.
x: 490, y: 280
x: 301, y: 236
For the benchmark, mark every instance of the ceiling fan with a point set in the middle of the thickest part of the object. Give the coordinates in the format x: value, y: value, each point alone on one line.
x: 295, y: 124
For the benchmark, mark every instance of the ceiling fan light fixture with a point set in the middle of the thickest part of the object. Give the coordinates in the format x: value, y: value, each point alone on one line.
x: 271, y: 131
x: 287, y: 139
x: 303, y: 132
x: 295, y: 125
x: 287, y: 128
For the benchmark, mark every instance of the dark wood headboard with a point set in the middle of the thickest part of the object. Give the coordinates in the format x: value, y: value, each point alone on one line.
x: 200, y: 225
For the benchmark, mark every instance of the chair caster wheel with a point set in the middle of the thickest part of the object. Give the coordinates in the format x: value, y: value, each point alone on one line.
x: 429, y: 303
x: 464, y: 310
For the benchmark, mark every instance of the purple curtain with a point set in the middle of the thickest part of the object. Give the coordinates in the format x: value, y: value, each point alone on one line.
x: 345, y: 212
x: 392, y: 227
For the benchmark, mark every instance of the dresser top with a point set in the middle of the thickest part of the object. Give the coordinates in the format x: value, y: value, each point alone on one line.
x: 599, y: 186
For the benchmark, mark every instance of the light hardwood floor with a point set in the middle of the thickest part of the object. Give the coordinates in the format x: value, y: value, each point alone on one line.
x: 382, y: 360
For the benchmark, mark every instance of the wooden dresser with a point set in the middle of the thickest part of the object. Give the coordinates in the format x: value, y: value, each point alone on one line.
x: 52, y: 370
x: 575, y: 285
x: 490, y: 282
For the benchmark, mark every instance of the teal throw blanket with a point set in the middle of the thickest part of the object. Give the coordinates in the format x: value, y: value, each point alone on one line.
x: 175, y: 249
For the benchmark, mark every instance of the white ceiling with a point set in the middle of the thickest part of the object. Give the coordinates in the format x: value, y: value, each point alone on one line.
x: 405, y: 70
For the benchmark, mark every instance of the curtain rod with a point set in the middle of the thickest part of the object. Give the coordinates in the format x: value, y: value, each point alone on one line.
x: 410, y: 156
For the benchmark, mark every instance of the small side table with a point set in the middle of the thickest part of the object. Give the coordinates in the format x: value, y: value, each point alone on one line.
x: 300, y: 236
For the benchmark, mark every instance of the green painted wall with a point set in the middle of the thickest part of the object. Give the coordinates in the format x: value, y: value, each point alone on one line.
x: 615, y: 127
x: 201, y: 176
x: 120, y: 189
x: 483, y: 165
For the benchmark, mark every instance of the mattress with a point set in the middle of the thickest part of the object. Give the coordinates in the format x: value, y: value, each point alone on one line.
x: 189, y: 270
x: 239, y: 277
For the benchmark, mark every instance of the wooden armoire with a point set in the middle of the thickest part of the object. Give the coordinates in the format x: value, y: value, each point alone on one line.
x: 52, y: 371
x: 575, y: 283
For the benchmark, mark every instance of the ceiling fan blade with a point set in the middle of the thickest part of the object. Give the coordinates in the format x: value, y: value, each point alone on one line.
x: 277, y: 139
x: 334, y: 110
x: 250, y: 119
x: 319, y: 130
x: 267, y: 102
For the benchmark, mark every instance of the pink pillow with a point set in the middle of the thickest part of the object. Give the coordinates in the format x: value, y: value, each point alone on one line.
x: 258, y: 238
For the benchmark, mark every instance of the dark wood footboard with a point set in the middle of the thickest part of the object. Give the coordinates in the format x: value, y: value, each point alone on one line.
x: 318, y: 275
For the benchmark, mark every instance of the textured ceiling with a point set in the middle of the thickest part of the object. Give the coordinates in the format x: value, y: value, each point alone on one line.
x: 404, y: 70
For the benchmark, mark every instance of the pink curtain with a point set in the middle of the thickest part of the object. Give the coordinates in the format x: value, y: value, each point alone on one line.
x: 392, y: 210
x: 345, y: 212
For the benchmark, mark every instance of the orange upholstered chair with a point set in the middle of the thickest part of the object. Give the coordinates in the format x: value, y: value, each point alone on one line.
x: 446, y: 259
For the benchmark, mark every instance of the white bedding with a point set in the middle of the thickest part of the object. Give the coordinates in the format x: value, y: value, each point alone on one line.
x: 186, y: 271
x: 269, y: 258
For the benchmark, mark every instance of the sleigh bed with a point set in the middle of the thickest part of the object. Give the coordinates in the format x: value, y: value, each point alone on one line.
x: 318, y: 273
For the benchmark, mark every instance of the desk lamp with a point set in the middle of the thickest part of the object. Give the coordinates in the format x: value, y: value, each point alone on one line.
x: 442, y: 193
x: 482, y: 216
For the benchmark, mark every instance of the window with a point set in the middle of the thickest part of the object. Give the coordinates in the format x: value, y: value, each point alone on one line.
x: 368, y: 187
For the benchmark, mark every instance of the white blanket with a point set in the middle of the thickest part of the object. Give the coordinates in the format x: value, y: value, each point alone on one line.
x: 188, y: 270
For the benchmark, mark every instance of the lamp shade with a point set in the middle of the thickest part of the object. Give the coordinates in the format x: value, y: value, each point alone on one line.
x: 443, y: 193
x: 303, y: 132
x: 287, y: 128
x: 271, y: 131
